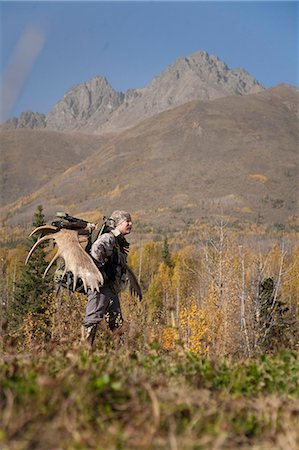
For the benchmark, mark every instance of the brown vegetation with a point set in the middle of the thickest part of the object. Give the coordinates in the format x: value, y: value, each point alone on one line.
x: 189, y: 368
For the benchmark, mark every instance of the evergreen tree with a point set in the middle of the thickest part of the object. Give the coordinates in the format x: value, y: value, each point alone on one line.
x: 31, y: 288
x: 166, y: 255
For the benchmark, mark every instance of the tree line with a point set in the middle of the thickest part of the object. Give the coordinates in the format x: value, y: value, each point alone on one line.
x: 218, y: 296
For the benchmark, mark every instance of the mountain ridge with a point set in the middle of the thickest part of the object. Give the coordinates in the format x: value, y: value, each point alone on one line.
x: 95, y: 107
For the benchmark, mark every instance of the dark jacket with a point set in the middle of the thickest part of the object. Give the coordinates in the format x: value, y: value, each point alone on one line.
x: 111, y: 259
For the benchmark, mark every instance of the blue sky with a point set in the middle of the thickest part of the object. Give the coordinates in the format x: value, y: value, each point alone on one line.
x: 131, y: 42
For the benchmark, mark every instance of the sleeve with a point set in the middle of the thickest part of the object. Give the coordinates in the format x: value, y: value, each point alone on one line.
x: 102, y: 248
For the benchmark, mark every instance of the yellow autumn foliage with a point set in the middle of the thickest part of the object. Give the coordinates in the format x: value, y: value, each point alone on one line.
x: 258, y: 177
x: 193, y: 328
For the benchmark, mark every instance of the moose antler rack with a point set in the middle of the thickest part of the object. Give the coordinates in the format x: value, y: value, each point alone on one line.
x: 65, y: 233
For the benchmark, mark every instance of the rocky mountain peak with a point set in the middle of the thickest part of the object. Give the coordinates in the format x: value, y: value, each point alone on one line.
x: 81, y: 102
x: 196, y: 77
x: 27, y: 119
x: 202, y: 58
x: 215, y: 76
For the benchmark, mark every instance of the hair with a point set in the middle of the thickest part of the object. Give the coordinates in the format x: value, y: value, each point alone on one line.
x: 118, y: 217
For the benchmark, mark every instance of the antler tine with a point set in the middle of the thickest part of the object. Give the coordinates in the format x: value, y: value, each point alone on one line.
x: 56, y: 256
x: 85, y: 285
x: 43, y: 228
x: 45, y: 238
x: 96, y: 286
x: 74, y: 281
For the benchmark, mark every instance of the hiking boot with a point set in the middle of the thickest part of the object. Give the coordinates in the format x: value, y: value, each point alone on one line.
x: 89, y: 333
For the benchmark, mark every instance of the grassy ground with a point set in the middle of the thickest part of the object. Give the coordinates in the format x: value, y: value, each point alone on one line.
x: 146, y: 398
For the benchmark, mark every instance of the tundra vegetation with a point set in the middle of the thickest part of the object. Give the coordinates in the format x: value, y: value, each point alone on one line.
x: 208, y: 359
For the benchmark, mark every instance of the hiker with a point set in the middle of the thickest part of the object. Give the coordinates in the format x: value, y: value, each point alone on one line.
x: 100, y: 269
x: 109, y: 252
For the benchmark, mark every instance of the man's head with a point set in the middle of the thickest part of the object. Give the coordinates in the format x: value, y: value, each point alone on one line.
x: 122, y: 221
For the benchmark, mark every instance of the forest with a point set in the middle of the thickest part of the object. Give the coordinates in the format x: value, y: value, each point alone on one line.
x: 207, y: 359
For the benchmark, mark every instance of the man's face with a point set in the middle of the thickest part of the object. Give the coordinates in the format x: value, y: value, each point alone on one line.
x: 125, y: 227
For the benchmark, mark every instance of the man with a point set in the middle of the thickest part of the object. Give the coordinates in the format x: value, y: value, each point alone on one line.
x: 109, y: 252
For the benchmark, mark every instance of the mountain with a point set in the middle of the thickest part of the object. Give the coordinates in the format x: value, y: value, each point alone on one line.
x: 95, y: 107
x: 30, y: 158
x: 27, y: 119
x: 237, y: 155
x: 197, y: 77
x: 86, y: 106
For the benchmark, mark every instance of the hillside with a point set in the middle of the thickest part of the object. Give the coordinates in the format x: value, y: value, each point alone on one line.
x: 237, y: 155
x: 30, y: 158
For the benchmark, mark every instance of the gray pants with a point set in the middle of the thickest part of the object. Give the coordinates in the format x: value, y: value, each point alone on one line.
x: 103, y: 304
